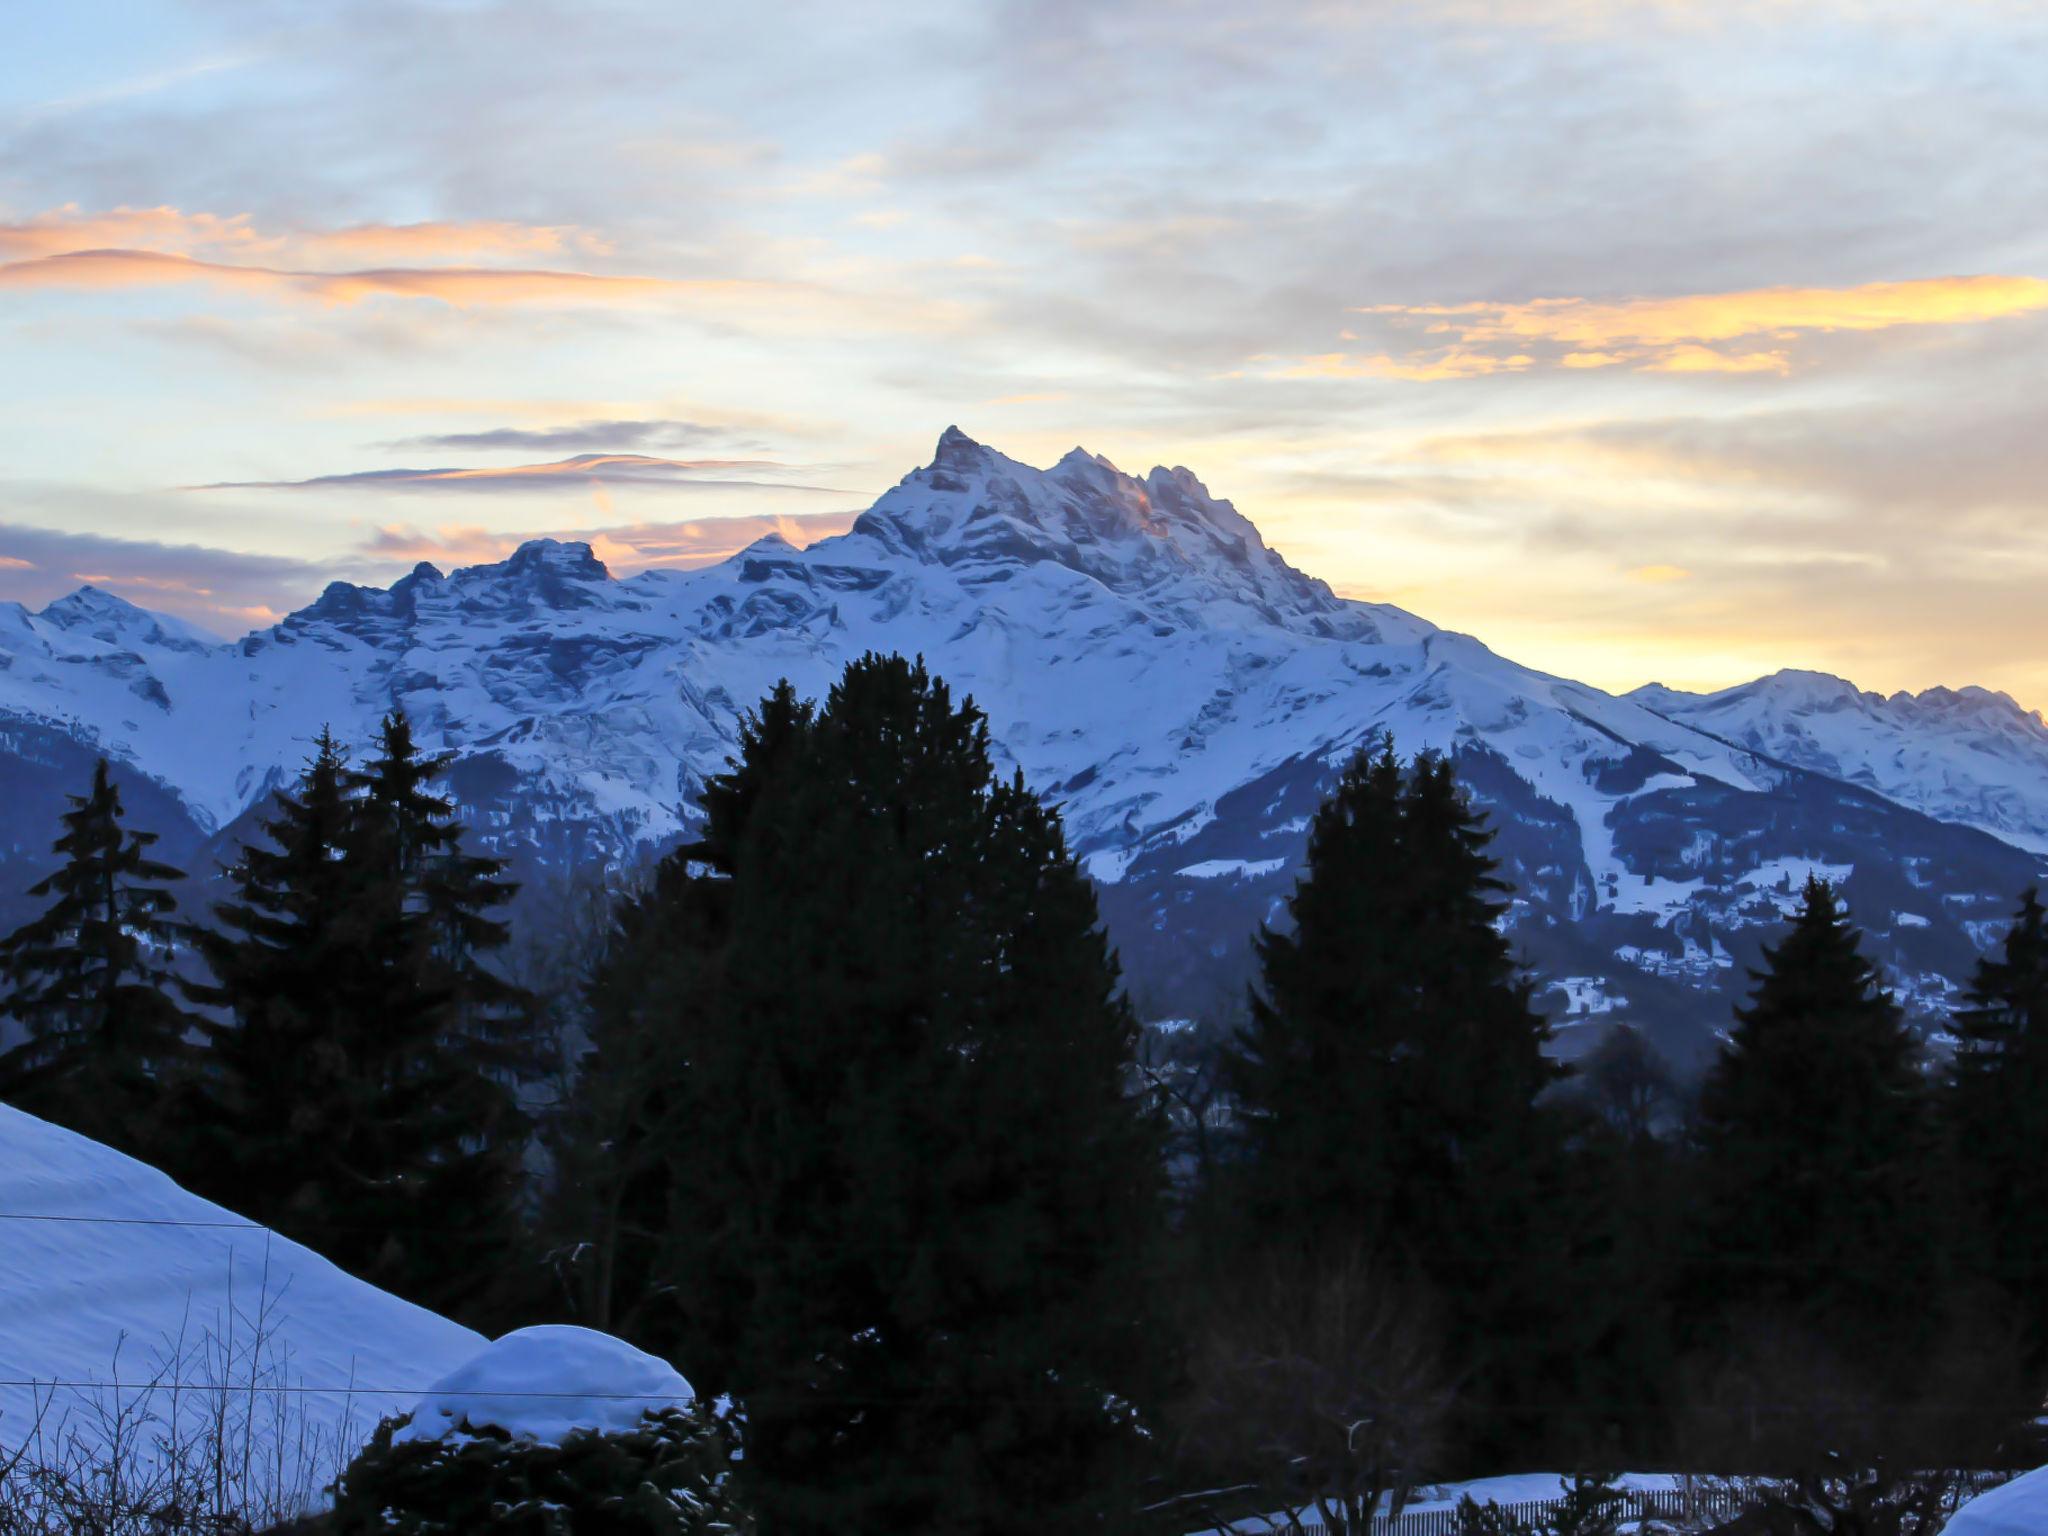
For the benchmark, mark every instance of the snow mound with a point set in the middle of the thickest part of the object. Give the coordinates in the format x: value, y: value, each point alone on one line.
x: 546, y: 1382
x: 116, y: 1285
x: 2017, y: 1508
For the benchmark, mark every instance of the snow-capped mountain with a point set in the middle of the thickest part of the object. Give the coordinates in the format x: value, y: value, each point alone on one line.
x: 1962, y: 754
x: 1181, y: 691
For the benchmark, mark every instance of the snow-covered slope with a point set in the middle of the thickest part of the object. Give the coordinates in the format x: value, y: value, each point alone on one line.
x: 1149, y: 663
x: 1967, y: 755
x: 2017, y: 1508
x: 116, y: 1285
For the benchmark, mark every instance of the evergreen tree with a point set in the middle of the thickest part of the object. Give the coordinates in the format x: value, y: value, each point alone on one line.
x: 909, y: 1198
x: 644, y: 998
x: 415, y: 837
x: 1390, y: 1074
x: 285, y: 955
x: 355, y: 1101
x: 91, y: 982
x: 1812, y: 1139
x: 1996, y: 1104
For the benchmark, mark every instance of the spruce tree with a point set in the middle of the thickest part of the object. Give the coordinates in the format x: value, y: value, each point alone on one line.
x: 434, y: 1136
x: 355, y: 1102
x: 910, y: 1197
x: 1811, y: 1140
x: 1315, y: 1071
x: 1392, y: 1042
x: 285, y: 956
x: 1996, y: 1113
x: 415, y: 834
x: 91, y: 983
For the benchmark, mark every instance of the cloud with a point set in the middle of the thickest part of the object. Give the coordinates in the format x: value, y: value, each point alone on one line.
x: 460, y: 286
x: 236, y: 238
x: 626, y: 548
x: 230, y: 592
x: 223, y: 590
x: 597, y: 468
x: 1689, y: 333
x: 598, y: 436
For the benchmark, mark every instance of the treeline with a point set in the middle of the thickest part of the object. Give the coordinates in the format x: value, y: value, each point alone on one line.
x: 866, y: 1137
x: 330, y: 1056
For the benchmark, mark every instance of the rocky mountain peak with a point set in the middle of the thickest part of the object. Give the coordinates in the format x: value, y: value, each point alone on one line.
x: 1164, y: 538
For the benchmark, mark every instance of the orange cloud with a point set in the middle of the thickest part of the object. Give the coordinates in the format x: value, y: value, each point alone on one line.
x: 595, y: 468
x: 485, y: 263
x: 1424, y: 367
x: 460, y: 286
x: 10, y: 563
x: 635, y: 547
x: 1688, y: 333
x: 234, y: 237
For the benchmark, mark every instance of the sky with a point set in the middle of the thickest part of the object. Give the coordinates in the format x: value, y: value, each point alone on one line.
x: 1661, y: 341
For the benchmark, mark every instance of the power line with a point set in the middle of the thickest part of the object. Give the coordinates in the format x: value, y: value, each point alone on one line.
x: 239, y: 1388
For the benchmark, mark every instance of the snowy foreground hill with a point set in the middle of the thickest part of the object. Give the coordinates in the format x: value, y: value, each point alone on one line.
x: 117, y: 1286
x: 1149, y: 663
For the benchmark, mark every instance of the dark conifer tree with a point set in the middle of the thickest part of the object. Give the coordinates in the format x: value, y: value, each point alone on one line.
x: 1812, y: 1144
x: 1390, y: 1076
x: 356, y: 1098
x: 285, y: 953
x: 910, y: 1195
x: 1996, y: 1106
x: 91, y: 982
x: 1316, y: 1069
x: 414, y: 835
x: 645, y: 998
x: 434, y: 1136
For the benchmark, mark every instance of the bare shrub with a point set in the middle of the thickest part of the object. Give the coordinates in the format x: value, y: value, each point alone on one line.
x: 210, y: 1435
x: 1321, y: 1386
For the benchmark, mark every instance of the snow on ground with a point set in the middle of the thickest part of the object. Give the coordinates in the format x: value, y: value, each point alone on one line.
x: 111, y: 1276
x: 543, y: 1383
x: 2017, y: 1508
x: 1514, y: 1488
x: 1527, y: 1488
x: 1216, y: 869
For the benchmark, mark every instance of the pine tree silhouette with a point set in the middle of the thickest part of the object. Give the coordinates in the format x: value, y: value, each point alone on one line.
x: 1390, y: 1072
x: 358, y: 1093
x: 285, y: 954
x: 91, y: 981
x: 1996, y: 1113
x: 908, y: 1199
x: 1812, y: 1139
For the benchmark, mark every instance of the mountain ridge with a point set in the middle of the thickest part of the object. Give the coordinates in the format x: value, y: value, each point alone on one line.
x: 1182, y: 691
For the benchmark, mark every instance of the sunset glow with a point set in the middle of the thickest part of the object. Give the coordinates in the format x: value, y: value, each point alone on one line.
x: 1672, y: 341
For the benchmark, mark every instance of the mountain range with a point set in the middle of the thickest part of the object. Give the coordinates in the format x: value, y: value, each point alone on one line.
x: 1183, y: 693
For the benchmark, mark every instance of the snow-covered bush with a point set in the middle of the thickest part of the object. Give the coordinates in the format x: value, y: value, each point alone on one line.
x: 552, y: 1431
x: 670, y: 1476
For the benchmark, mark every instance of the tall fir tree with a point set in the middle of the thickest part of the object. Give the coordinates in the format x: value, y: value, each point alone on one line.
x: 415, y: 835
x: 1996, y: 1118
x: 1812, y: 1212
x: 91, y: 982
x: 910, y: 1197
x: 285, y: 956
x: 1390, y: 1074
x: 357, y: 1102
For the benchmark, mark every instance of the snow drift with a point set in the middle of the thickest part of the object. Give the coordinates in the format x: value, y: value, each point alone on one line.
x: 545, y: 1383
x: 124, y: 1296
x: 2017, y: 1508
